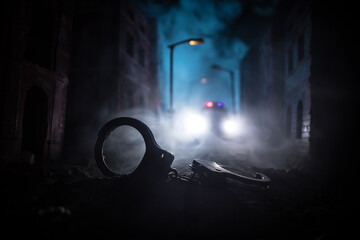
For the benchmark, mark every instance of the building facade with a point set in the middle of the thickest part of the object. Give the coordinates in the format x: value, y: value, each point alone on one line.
x: 314, y: 60
x: 112, y: 70
x: 297, y: 91
x: 34, y: 55
x: 138, y: 88
x: 262, y: 88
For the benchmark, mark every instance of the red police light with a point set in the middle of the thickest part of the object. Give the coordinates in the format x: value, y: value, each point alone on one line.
x: 209, y: 104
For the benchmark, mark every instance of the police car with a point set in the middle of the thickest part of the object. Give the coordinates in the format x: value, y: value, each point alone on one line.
x: 222, y: 123
x: 211, y: 119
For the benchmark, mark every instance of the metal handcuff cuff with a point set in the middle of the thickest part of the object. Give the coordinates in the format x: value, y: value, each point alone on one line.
x: 156, y: 162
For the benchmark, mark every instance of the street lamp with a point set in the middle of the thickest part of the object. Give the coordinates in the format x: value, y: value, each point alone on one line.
x: 217, y: 67
x: 191, y: 41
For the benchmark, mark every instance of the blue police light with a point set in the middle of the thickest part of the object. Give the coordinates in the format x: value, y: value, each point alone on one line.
x: 219, y: 104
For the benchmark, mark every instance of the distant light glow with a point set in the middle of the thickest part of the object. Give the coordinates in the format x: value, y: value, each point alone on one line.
x: 209, y: 104
x: 204, y: 80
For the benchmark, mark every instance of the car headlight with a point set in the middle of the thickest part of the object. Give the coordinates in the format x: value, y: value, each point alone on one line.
x: 189, y: 125
x: 233, y: 127
x: 195, y: 124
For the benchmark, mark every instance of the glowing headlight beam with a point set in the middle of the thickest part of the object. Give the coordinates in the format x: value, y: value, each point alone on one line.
x: 232, y: 127
x: 195, y: 124
x: 190, y: 124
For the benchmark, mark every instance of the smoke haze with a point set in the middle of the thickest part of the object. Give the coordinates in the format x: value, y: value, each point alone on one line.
x: 125, y: 146
x: 229, y: 29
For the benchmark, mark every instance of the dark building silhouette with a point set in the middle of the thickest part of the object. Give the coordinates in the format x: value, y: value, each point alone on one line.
x: 34, y: 62
x: 314, y: 69
x: 112, y: 71
x: 262, y: 87
x: 297, y: 93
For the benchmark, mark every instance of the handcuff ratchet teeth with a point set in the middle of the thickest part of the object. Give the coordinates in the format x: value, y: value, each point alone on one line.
x: 156, y: 162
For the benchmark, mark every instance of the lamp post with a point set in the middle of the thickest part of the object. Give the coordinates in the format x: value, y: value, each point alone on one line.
x: 217, y: 67
x: 191, y: 41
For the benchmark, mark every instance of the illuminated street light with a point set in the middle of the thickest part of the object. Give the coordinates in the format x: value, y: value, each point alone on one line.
x: 217, y: 67
x: 196, y: 41
x: 192, y: 42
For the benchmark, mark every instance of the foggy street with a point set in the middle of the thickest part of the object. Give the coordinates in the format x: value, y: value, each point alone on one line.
x: 179, y: 119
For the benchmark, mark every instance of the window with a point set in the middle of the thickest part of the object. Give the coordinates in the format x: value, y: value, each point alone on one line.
x: 93, y: 46
x: 288, y: 122
x: 141, y: 101
x: 290, y: 60
x: 290, y: 27
x: 131, y: 15
x: 142, y: 57
x: 301, y: 47
x: 142, y: 29
x: 129, y: 98
x: 130, y: 45
x: 39, y: 45
x: 301, y: 10
x: 299, y: 119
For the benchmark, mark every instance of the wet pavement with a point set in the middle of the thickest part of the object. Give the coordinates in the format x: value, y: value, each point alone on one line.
x: 69, y: 203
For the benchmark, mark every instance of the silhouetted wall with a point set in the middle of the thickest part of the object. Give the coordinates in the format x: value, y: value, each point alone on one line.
x: 34, y: 55
x: 317, y: 48
x: 112, y: 71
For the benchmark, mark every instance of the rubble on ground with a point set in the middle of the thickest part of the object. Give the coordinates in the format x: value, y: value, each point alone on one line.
x: 69, y: 203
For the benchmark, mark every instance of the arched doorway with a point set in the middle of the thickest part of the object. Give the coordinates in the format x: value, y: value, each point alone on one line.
x: 34, y: 125
x: 288, y: 122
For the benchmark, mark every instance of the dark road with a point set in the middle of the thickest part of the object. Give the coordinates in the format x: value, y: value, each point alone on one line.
x: 69, y: 203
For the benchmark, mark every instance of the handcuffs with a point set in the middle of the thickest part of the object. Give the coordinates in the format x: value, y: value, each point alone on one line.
x: 156, y: 162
